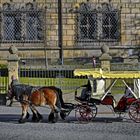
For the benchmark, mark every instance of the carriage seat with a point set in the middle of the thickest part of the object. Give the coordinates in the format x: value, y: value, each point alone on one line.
x: 108, y: 100
x: 81, y: 100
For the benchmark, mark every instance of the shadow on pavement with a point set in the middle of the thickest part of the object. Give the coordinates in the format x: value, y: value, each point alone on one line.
x: 13, y: 118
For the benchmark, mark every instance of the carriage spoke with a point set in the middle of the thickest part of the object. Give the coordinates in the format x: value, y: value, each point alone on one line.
x: 84, y: 113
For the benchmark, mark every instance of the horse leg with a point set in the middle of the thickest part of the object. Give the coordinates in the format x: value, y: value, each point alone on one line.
x: 11, y: 102
x: 53, y: 116
x: 25, y: 114
x: 37, y: 117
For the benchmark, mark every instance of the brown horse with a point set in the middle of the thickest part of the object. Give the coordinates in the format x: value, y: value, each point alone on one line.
x: 29, y: 96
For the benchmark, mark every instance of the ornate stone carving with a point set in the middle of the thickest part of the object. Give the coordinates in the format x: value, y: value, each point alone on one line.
x: 13, y: 54
x: 13, y: 50
x: 90, y: 6
x: 26, y: 6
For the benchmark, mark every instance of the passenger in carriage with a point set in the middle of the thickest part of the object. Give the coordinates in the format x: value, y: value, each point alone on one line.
x: 86, y: 92
x: 96, y: 85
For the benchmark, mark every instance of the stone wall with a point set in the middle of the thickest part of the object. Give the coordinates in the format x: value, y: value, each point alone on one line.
x: 130, y: 32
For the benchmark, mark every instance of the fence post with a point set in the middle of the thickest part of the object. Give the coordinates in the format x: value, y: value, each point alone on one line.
x: 105, y: 59
x: 12, y: 63
x: 60, y: 32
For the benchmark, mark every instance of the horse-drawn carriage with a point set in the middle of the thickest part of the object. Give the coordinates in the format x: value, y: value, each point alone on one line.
x: 100, y: 82
x: 86, y: 109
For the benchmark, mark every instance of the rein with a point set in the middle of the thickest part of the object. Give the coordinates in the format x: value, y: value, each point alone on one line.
x: 72, y: 91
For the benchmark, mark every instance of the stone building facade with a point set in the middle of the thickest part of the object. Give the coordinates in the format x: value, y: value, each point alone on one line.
x: 33, y: 26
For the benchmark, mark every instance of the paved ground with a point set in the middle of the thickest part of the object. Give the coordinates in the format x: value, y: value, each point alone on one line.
x: 105, y: 126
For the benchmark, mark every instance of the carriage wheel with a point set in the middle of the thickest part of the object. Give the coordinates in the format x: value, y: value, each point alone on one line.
x: 85, y: 113
x: 134, y: 111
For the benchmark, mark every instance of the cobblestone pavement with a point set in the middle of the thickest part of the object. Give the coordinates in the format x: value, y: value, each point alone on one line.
x: 105, y: 126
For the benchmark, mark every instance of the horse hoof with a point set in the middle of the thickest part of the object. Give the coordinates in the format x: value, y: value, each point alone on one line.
x: 40, y: 119
x: 53, y: 121
x: 37, y: 119
x: 34, y: 119
x: 27, y: 116
x: 51, y: 118
x: 56, y: 117
x: 21, y: 120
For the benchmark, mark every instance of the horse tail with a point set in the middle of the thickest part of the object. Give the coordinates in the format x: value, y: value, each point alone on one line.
x: 59, y: 91
x: 59, y: 102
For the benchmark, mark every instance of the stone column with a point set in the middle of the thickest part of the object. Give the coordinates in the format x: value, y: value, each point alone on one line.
x: 12, y: 63
x: 105, y: 59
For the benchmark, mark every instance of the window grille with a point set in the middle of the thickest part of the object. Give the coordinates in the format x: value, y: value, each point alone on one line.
x: 97, y: 24
x: 22, y: 25
x: 110, y: 25
x: 33, y: 26
x: 87, y: 26
x: 11, y: 26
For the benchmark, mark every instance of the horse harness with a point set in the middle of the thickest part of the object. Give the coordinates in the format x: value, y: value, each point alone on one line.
x: 20, y: 90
